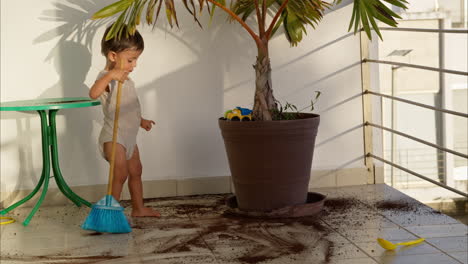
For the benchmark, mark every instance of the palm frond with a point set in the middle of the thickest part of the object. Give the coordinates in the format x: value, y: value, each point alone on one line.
x: 244, y: 8
x: 366, y: 12
x: 222, y: 2
x: 295, y: 16
x: 113, y: 9
x: 129, y: 13
x: 300, y: 13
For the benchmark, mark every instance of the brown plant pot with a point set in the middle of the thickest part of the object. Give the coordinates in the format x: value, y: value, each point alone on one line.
x: 270, y: 161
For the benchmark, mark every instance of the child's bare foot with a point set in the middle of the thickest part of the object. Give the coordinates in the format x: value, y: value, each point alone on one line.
x: 145, y: 211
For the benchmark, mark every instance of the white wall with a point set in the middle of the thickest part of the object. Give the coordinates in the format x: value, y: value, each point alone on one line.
x: 186, y: 79
x: 422, y: 6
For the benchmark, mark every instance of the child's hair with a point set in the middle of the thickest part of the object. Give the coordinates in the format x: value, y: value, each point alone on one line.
x: 126, y: 41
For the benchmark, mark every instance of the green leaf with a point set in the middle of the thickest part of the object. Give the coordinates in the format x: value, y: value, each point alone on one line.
x: 294, y: 28
x: 398, y: 3
x: 352, y: 17
x: 222, y: 2
x: 370, y: 16
x: 193, y: 13
x: 150, y: 11
x: 112, y: 9
x: 139, y: 11
x: 171, y: 12
x: 116, y: 28
x: 157, y: 12
x: 365, y: 22
x: 358, y: 16
x: 387, y: 11
x: 317, y: 94
x: 135, y: 14
x: 385, y: 18
x: 201, y: 3
x: 243, y: 8
x: 278, y: 24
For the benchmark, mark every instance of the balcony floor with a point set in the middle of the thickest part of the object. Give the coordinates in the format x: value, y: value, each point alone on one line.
x: 195, y: 230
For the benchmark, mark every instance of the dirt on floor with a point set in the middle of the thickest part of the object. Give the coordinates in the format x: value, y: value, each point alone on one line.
x: 240, y: 230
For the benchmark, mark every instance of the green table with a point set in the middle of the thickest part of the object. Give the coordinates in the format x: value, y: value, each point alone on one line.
x: 49, y: 139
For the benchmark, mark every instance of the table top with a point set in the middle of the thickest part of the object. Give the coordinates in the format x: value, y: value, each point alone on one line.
x: 48, y: 104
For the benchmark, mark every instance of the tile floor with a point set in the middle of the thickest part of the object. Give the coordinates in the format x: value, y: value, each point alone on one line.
x: 197, y: 230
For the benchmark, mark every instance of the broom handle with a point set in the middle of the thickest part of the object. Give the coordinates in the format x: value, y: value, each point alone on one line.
x: 114, y: 135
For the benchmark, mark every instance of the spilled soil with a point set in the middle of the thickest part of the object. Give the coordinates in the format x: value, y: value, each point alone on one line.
x: 341, y: 205
x: 251, y: 240
x: 196, y: 223
x: 60, y: 259
x: 405, y: 206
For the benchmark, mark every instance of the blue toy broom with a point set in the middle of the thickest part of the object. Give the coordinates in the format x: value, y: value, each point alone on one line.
x: 107, y: 215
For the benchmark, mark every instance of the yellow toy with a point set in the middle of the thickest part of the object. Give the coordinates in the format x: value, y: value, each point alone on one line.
x: 390, y: 246
x: 9, y: 220
x: 239, y: 114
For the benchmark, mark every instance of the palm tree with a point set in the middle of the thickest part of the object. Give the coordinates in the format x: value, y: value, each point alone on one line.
x: 293, y: 15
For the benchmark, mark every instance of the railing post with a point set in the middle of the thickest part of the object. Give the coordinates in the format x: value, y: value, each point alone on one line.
x: 439, y: 117
x: 366, y: 108
x: 444, y: 131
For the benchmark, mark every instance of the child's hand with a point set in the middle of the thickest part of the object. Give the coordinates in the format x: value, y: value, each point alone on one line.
x: 119, y: 75
x: 147, y: 124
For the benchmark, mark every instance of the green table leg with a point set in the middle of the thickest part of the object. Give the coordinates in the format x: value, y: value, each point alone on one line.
x: 50, y: 135
x: 49, y: 138
x: 45, y: 174
x: 25, y: 199
x: 63, y: 186
x: 45, y: 165
x: 45, y: 171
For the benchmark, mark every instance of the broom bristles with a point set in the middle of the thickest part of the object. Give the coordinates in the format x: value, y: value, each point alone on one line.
x: 107, y: 219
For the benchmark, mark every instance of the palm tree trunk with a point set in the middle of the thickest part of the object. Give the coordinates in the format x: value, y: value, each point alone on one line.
x: 264, y: 99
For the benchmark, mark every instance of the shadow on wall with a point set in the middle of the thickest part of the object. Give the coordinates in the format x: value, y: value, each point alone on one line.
x: 186, y: 102
x: 76, y: 23
x: 72, y: 62
x: 189, y: 100
x: 20, y: 147
x: 71, y: 58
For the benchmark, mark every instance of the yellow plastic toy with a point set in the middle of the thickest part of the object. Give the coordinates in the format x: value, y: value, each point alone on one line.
x: 390, y: 246
x: 9, y: 220
x: 239, y: 114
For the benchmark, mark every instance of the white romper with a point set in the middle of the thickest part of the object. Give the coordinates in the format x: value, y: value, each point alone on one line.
x: 129, y: 116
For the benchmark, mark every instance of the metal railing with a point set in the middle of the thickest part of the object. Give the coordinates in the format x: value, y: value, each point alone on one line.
x: 367, y: 111
x: 417, y: 175
x: 409, y: 65
x: 428, y: 30
x: 425, y: 161
x: 418, y: 104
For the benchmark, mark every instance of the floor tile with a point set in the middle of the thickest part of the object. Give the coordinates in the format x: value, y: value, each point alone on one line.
x: 450, y: 244
x: 353, y: 261
x: 166, y: 258
x: 170, y: 209
x: 233, y: 240
x: 405, y: 211
x: 197, y: 229
x: 339, y: 248
x: 413, y: 259
x: 375, y: 250
x: 350, y: 213
x: 461, y: 256
x: 371, y: 234
x: 207, y: 207
x: 429, y: 231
